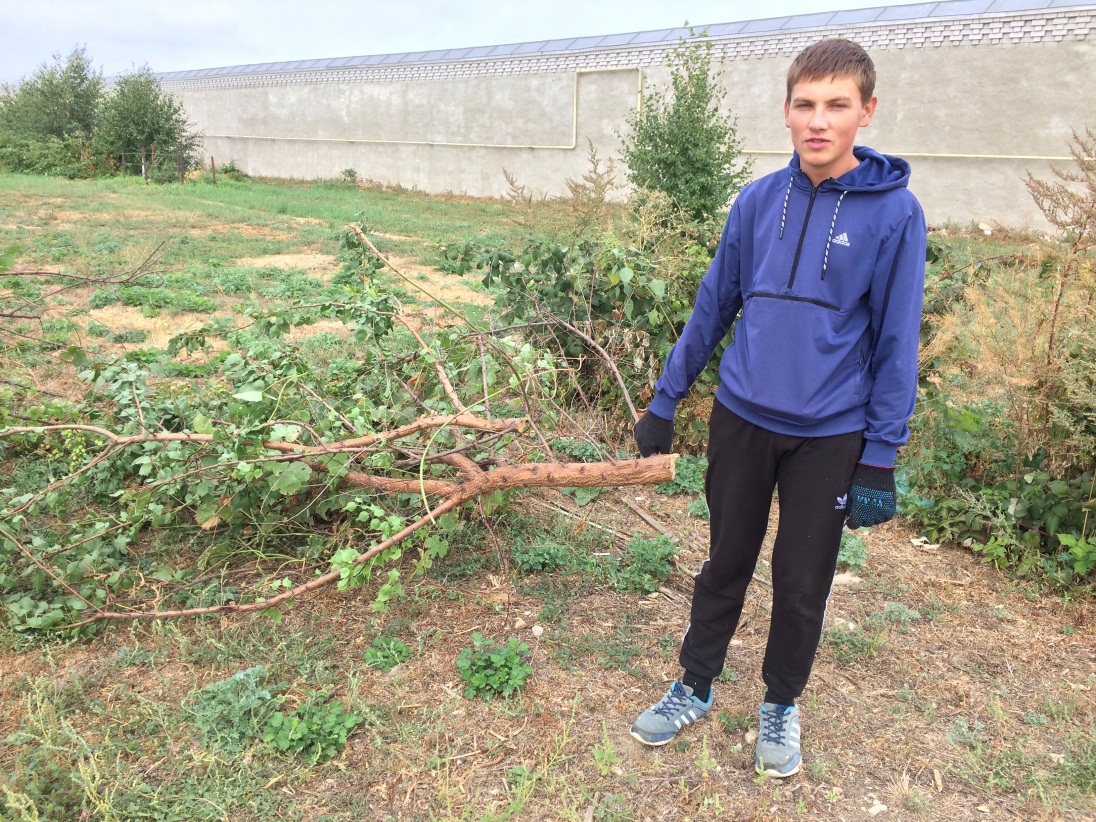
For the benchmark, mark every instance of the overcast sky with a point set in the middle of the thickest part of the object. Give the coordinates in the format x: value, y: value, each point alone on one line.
x: 170, y: 36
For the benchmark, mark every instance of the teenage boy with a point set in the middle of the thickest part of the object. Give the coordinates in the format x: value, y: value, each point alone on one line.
x: 823, y: 266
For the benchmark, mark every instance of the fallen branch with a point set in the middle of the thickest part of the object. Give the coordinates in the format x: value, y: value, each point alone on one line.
x: 659, y: 468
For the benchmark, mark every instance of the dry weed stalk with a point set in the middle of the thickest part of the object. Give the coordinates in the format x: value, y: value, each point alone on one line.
x: 1024, y: 334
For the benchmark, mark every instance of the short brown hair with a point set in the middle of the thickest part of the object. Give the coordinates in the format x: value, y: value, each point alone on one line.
x: 834, y: 57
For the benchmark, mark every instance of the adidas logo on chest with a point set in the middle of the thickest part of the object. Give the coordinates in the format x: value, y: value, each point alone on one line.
x: 842, y: 239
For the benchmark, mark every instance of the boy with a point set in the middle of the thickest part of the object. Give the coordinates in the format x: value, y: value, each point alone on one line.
x: 825, y: 260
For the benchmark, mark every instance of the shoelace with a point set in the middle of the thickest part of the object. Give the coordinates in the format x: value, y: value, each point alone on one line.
x: 773, y: 730
x: 674, y: 702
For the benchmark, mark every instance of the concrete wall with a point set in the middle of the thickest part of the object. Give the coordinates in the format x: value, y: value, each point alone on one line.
x: 974, y: 102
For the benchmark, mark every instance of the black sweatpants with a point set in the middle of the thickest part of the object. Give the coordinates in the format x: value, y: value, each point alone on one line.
x: 812, y: 476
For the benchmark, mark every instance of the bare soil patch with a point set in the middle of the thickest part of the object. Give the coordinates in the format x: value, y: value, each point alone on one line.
x: 319, y: 265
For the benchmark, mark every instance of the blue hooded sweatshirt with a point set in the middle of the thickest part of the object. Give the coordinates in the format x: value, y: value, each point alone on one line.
x: 829, y: 282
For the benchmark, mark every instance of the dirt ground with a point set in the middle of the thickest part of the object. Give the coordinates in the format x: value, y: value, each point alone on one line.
x: 964, y: 706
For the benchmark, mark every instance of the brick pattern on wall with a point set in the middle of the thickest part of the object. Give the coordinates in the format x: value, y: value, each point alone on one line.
x: 975, y: 30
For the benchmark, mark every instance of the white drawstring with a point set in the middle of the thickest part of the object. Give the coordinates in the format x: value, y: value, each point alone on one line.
x: 833, y: 222
x: 784, y: 215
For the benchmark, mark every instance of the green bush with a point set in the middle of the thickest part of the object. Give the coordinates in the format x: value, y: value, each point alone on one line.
x: 680, y: 142
x: 65, y: 120
x: 493, y: 670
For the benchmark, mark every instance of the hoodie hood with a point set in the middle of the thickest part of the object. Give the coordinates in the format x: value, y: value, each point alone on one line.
x: 876, y: 172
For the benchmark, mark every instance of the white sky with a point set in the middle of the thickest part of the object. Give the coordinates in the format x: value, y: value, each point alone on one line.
x: 170, y: 36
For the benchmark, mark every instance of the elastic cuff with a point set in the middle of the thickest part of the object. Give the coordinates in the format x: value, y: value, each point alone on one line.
x: 879, y: 454
x: 662, y: 406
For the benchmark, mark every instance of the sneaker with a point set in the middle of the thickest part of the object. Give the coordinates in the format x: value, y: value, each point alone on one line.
x: 660, y: 723
x: 778, y: 753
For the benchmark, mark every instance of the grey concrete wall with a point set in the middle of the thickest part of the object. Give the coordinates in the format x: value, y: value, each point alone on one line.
x: 973, y: 103
x: 450, y: 135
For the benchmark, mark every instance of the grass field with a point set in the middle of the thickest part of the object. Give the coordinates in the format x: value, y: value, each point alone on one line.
x: 942, y: 689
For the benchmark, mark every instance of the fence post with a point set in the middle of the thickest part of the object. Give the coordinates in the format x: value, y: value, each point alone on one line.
x: 144, y: 166
x: 213, y: 168
x: 179, y: 162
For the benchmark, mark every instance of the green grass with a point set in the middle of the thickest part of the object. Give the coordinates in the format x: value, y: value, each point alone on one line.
x: 107, y: 221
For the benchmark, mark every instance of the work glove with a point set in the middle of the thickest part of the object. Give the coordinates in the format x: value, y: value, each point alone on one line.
x: 872, y: 496
x: 654, y: 435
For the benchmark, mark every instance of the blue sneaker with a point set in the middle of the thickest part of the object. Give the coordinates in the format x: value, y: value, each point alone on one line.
x: 778, y: 753
x: 660, y: 723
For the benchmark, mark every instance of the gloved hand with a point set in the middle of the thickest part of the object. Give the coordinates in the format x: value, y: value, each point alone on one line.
x: 872, y: 496
x: 654, y: 435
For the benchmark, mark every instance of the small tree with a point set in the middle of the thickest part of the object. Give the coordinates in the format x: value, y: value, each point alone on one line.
x: 58, y: 100
x: 138, y: 118
x: 46, y: 121
x: 679, y: 141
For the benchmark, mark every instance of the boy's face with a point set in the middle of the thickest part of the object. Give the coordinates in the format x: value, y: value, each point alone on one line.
x: 823, y: 116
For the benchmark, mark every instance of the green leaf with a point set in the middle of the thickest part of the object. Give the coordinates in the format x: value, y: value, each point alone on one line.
x: 289, y: 478
x: 202, y: 425
x: 249, y: 396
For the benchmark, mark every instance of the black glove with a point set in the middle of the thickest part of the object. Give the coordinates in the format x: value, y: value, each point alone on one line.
x: 872, y: 496
x: 654, y: 435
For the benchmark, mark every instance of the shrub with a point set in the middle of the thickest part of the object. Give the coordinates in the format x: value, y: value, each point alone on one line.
x: 64, y: 120
x: 679, y: 141
x: 146, y: 125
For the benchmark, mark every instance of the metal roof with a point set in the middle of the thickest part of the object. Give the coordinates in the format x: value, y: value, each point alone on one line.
x: 879, y: 14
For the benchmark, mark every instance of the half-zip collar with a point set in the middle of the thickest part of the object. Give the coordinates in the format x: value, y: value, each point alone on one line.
x: 874, y: 172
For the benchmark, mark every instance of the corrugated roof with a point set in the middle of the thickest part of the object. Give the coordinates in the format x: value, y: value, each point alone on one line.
x: 944, y: 8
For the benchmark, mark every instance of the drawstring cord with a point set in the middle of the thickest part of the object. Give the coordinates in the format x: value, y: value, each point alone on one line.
x: 784, y: 214
x: 833, y: 222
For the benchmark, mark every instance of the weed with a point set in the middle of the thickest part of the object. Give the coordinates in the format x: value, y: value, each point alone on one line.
x: 231, y: 712
x: 315, y: 731
x: 688, y: 476
x: 581, y: 450
x: 386, y: 653
x: 849, y: 644
x: 646, y: 564
x: 705, y: 762
x: 699, y: 508
x: 966, y: 732
x: 1079, y: 763
x: 542, y: 554
x: 606, y: 755
x: 493, y: 670
x: 732, y: 724
x: 895, y: 613
x: 612, y: 652
x: 853, y: 554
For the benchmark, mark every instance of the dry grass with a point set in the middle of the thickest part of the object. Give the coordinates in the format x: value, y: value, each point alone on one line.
x: 964, y: 712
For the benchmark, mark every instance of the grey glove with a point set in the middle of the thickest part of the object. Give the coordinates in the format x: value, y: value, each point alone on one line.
x: 654, y: 435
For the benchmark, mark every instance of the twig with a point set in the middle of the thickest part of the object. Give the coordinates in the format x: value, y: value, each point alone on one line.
x: 348, y: 425
x: 443, y: 378
x: 45, y: 568
x: 606, y: 359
